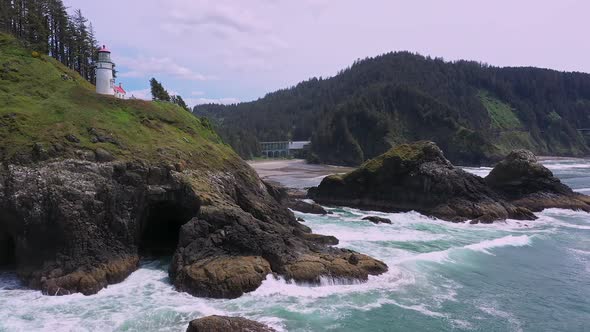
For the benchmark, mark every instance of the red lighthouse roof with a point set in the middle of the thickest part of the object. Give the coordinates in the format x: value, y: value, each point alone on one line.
x: 104, y: 49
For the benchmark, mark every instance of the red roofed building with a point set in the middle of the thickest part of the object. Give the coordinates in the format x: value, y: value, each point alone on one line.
x: 119, y: 91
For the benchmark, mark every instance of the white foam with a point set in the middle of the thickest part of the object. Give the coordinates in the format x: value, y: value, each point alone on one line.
x: 483, y: 247
x: 510, y: 240
x: 517, y: 326
x: 479, y: 171
x: 278, y: 287
x: 421, y: 308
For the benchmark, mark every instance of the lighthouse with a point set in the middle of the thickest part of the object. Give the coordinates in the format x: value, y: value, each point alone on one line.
x: 104, y: 72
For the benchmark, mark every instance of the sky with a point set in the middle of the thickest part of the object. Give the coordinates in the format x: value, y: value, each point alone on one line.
x: 228, y: 51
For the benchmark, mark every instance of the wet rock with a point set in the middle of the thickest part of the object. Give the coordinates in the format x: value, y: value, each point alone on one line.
x: 339, y: 267
x: 305, y: 207
x: 377, y: 220
x: 76, y: 227
x: 79, y: 226
x: 321, y: 239
x: 223, y: 277
x: 418, y: 177
x: 525, y: 182
x: 226, y: 324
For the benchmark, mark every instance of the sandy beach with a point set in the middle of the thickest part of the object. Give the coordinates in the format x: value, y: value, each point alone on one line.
x: 295, y: 173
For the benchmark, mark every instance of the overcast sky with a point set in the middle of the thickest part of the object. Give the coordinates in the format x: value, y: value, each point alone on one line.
x: 238, y: 50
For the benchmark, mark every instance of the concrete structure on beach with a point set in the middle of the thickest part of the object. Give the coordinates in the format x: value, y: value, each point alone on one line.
x: 282, y: 149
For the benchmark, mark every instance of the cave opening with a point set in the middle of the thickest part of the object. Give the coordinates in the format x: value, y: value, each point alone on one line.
x: 161, y: 228
x: 7, y: 251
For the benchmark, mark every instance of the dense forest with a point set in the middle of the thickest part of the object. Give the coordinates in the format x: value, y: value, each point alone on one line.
x: 475, y: 112
x: 46, y: 26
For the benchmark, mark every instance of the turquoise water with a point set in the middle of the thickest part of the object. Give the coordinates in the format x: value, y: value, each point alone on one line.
x: 513, y: 276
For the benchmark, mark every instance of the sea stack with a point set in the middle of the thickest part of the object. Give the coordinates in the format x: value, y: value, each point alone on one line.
x: 418, y: 177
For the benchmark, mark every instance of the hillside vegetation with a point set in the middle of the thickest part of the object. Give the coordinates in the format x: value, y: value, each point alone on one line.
x: 475, y: 112
x: 47, y: 109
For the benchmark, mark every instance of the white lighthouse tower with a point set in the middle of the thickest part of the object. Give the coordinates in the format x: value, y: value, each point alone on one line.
x: 104, y: 72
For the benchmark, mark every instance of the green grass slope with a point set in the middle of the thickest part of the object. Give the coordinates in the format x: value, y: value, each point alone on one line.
x: 42, y: 101
x: 501, y: 114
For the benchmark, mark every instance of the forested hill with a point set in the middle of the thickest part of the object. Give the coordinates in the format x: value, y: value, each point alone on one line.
x: 476, y: 113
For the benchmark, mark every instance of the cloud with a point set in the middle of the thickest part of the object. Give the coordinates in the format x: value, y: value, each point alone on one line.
x: 253, y: 47
x: 146, y: 67
x: 228, y: 15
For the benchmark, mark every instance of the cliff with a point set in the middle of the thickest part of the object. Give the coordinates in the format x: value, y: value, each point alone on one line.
x: 90, y: 183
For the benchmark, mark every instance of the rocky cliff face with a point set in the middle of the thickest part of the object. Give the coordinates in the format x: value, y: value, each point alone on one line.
x: 418, y: 177
x: 77, y: 226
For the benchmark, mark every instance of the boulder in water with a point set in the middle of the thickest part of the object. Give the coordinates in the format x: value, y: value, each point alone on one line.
x: 226, y: 324
x: 305, y: 207
x: 377, y: 220
x: 525, y: 182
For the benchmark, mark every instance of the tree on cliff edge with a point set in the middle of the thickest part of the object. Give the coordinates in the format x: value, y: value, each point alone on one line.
x: 158, y: 91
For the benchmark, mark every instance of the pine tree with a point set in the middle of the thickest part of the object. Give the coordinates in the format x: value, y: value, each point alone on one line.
x: 177, y: 99
x: 93, y: 47
x: 158, y: 91
x: 45, y: 26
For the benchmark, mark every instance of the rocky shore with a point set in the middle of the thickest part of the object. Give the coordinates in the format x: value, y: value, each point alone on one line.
x: 418, y: 177
x: 79, y: 225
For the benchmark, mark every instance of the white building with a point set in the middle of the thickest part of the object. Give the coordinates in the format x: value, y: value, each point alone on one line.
x: 105, y: 83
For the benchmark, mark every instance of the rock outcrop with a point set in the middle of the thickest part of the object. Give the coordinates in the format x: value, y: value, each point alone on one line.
x: 306, y: 207
x: 226, y: 324
x: 377, y: 220
x: 77, y: 226
x: 418, y: 177
x: 523, y: 181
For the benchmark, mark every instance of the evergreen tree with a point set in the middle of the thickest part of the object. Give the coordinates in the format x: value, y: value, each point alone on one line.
x: 46, y: 27
x: 180, y: 102
x: 158, y: 91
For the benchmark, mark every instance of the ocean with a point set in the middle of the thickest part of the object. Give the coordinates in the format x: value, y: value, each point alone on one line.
x: 508, y: 276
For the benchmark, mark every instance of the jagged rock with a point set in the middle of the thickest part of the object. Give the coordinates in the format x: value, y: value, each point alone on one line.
x: 250, y: 234
x: 226, y: 324
x: 418, y: 177
x: 311, y: 268
x: 377, y: 220
x: 521, y: 179
x: 321, y: 239
x: 77, y: 226
x: 305, y: 207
